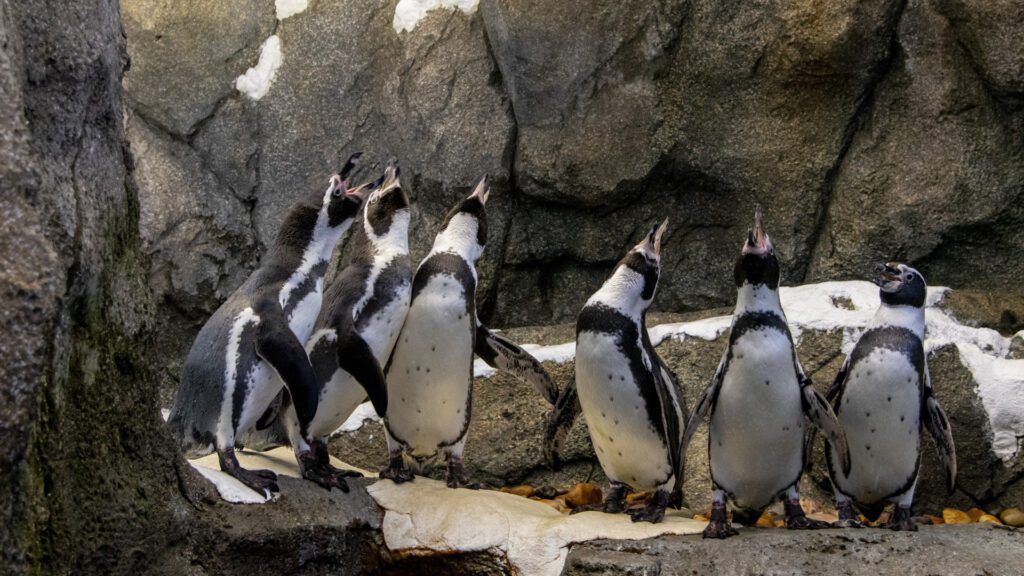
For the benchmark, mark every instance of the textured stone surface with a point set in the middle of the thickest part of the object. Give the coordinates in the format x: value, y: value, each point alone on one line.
x: 87, y: 477
x: 961, y: 550
x: 871, y: 130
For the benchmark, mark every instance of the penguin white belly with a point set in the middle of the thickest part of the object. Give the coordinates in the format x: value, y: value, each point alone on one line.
x: 303, y: 316
x: 628, y: 446
x: 880, y: 412
x: 756, y: 434
x: 431, y: 369
x: 341, y: 394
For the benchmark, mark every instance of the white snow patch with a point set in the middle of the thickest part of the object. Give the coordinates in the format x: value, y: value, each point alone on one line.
x: 286, y: 8
x: 359, y: 416
x: 1001, y: 387
x: 425, y: 515
x: 257, y: 80
x: 558, y: 353
x: 408, y: 13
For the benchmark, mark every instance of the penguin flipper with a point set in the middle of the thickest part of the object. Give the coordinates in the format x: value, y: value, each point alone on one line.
x: 942, y: 435
x: 834, y: 391
x: 703, y: 406
x: 567, y: 409
x: 278, y: 346
x: 356, y: 358
x: 502, y: 354
x: 820, y: 413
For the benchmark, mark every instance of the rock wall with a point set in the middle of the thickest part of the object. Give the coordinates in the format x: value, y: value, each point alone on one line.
x: 87, y: 476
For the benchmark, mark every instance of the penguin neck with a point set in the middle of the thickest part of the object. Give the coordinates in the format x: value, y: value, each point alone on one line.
x: 758, y: 298
x: 903, y: 316
x: 453, y: 242
x: 623, y: 292
x: 313, y: 258
x: 394, y: 242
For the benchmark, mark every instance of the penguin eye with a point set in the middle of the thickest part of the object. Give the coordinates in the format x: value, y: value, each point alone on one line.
x: 337, y: 192
x: 908, y: 277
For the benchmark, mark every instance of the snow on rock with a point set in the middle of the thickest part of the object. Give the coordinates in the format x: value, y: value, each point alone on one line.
x: 1001, y: 387
x: 533, y: 537
x: 408, y: 13
x: 286, y: 8
x: 257, y: 80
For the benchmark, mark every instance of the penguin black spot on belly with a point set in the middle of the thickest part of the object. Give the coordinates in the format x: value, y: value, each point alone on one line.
x: 609, y: 376
x: 418, y: 411
x: 767, y: 383
x: 868, y: 446
x: 622, y: 378
x: 872, y: 430
x: 459, y: 411
x: 417, y: 368
x: 902, y: 417
x: 888, y: 398
x: 719, y: 443
x: 433, y: 348
x: 611, y: 398
x: 867, y: 414
x: 428, y: 370
x: 785, y: 428
x: 908, y: 380
x: 616, y: 421
x: 603, y: 415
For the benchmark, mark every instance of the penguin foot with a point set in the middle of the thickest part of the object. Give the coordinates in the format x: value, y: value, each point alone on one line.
x: 397, y: 474
x: 847, y: 517
x: 719, y: 529
x: 797, y: 520
x: 719, y: 526
x: 317, y: 468
x: 457, y: 476
x: 901, y: 520
x: 654, y: 511
x: 262, y: 481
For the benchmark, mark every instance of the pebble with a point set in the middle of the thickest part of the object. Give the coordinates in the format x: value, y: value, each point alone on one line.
x: 954, y: 516
x: 582, y: 494
x: 989, y: 518
x: 634, y: 497
x: 523, y: 490
x: 975, y: 514
x: 1012, y: 517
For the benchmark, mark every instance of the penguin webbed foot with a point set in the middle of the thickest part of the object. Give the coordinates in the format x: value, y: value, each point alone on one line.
x: 261, y: 481
x: 654, y: 511
x: 719, y: 526
x: 901, y: 520
x: 457, y: 477
x: 396, y: 471
x: 847, y: 517
x: 797, y: 520
x: 319, y: 470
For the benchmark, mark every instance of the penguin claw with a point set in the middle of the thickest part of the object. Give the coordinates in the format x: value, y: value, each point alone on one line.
x: 720, y: 530
x: 261, y: 481
x: 649, y: 513
x: 327, y: 477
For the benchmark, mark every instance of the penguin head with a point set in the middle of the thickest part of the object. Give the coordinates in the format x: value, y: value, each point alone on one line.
x: 900, y: 285
x: 465, y: 226
x: 644, y: 261
x: 342, y: 200
x: 757, y: 264
x: 387, y: 204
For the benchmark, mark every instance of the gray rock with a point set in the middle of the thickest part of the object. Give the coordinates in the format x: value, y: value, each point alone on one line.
x: 952, y: 550
x: 937, y: 141
x: 185, y: 56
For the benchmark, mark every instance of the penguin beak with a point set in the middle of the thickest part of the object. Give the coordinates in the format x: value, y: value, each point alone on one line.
x: 350, y: 165
x: 888, y: 277
x: 658, y: 233
x: 758, y: 241
x: 482, y: 190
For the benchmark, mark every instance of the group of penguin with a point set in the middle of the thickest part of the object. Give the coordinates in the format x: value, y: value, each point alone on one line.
x: 282, y: 361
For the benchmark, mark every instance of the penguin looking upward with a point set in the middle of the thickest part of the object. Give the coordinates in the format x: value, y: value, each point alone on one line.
x: 363, y: 311
x: 757, y: 401
x: 627, y: 394
x: 253, y: 343
x: 883, y: 397
x: 430, y: 373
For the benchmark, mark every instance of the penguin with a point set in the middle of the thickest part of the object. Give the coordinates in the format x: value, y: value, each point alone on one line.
x: 430, y: 373
x: 757, y: 401
x: 363, y: 311
x: 883, y: 398
x: 628, y: 396
x: 253, y: 343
